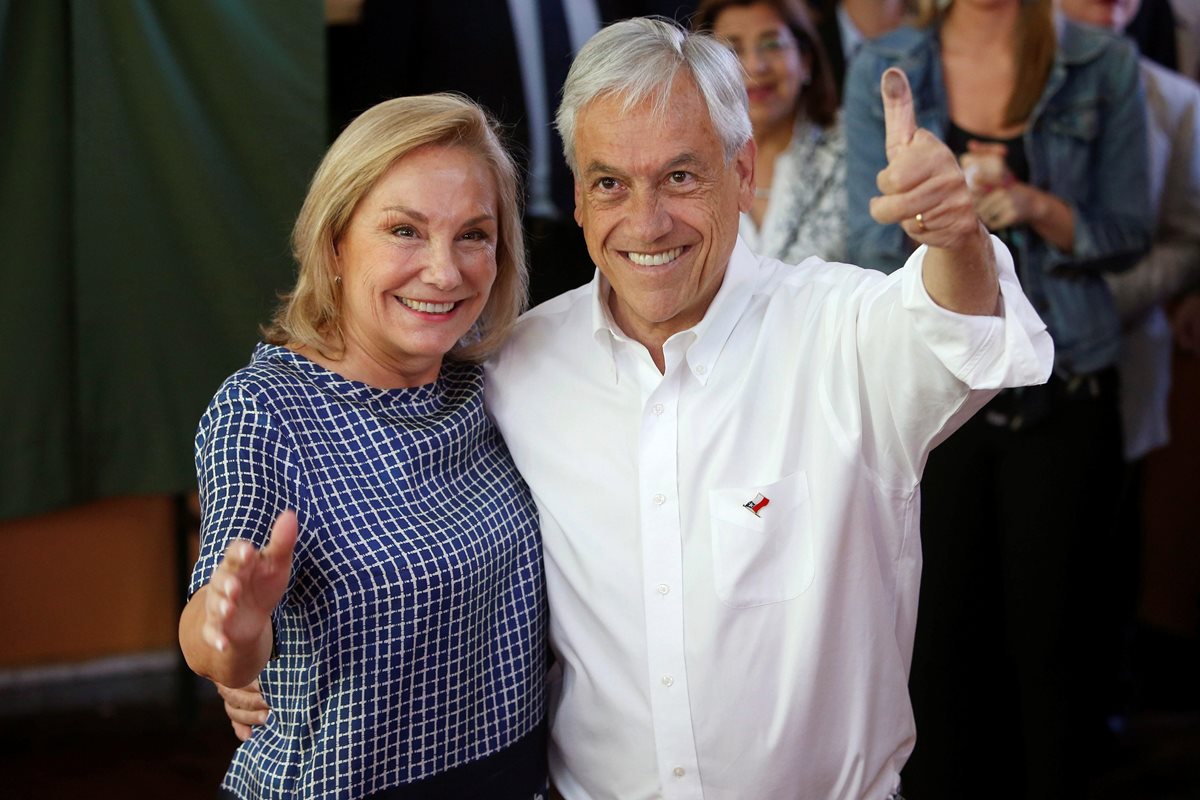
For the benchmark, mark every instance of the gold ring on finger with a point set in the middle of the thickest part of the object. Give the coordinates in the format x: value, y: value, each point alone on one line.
x: 920, y: 220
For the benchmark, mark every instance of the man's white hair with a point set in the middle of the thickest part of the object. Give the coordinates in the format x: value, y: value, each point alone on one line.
x: 639, y: 59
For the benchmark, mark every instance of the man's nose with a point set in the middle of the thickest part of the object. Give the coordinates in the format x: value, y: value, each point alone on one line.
x: 649, y: 217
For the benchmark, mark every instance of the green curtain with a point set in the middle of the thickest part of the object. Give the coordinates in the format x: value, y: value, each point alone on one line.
x: 155, y: 153
x: 37, y: 439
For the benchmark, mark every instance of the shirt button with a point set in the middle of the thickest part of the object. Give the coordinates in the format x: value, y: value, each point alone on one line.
x: 659, y: 499
x: 667, y: 680
x: 701, y: 369
x: 679, y: 772
x: 663, y: 588
x: 658, y: 409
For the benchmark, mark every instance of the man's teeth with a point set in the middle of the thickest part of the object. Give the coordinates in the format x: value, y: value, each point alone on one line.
x: 654, y: 259
x: 428, y: 308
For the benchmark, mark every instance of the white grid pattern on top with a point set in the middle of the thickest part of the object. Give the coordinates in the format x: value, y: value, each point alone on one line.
x: 411, y: 638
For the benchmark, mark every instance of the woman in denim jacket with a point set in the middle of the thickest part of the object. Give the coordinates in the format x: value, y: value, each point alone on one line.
x: 1049, y: 120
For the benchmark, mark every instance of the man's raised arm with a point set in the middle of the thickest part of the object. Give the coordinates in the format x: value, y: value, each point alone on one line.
x: 924, y: 190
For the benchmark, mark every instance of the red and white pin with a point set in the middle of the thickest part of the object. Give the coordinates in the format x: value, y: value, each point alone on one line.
x: 757, y: 504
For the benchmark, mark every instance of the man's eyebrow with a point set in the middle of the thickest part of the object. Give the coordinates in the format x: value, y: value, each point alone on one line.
x: 681, y: 160
x: 600, y: 167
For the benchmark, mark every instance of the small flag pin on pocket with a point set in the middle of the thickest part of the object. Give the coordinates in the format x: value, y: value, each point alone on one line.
x: 756, y: 504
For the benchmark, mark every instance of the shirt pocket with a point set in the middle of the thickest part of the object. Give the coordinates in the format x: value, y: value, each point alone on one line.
x: 766, y: 558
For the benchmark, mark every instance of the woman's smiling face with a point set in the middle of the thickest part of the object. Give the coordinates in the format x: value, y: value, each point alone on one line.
x: 417, y: 262
x: 775, y: 67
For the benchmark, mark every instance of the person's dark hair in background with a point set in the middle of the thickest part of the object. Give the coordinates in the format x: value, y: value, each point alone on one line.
x: 819, y: 98
x: 1153, y: 28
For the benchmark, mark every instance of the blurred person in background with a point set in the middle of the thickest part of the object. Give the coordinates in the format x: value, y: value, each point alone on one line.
x: 1048, y: 119
x: 1160, y: 610
x: 843, y: 26
x: 800, y: 166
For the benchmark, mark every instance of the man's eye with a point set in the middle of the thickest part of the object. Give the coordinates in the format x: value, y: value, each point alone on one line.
x: 608, y: 184
x: 679, y: 176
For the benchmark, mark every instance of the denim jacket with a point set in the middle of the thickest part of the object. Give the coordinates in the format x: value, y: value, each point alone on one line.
x: 1085, y: 143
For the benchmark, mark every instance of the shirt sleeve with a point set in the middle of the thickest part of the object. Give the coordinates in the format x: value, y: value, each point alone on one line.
x: 983, y: 352
x: 246, y: 476
x: 914, y: 371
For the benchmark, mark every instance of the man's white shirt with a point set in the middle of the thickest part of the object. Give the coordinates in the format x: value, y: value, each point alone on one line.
x: 709, y: 650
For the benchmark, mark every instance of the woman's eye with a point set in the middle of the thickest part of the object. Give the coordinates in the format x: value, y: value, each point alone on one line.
x: 404, y: 230
x: 475, y: 236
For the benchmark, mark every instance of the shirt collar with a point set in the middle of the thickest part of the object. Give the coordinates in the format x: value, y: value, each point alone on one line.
x: 1076, y: 44
x: 707, y: 338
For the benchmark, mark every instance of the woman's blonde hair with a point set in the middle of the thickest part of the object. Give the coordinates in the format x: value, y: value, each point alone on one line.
x: 1035, y: 47
x: 310, y: 314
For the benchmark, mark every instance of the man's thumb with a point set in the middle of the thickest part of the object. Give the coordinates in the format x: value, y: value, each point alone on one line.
x: 899, y: 118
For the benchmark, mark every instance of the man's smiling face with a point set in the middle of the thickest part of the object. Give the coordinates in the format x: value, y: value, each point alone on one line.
x: 659, y: 206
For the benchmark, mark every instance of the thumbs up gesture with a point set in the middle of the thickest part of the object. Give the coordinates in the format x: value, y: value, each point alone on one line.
x: 924, y: 190
x: 923, y: 187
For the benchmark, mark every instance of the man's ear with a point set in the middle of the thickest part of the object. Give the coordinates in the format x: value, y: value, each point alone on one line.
x: 743, y: 165
x: 578, y: 204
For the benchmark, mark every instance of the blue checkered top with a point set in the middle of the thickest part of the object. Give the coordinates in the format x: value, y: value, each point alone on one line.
x: 411, y: 638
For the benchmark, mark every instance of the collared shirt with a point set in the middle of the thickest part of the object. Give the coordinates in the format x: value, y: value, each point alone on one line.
x: 708, y: 651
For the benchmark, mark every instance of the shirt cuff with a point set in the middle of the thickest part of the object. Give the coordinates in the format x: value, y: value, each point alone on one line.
x: 984, y: 352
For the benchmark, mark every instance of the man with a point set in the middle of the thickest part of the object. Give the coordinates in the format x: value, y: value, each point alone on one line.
x: 706, y: 649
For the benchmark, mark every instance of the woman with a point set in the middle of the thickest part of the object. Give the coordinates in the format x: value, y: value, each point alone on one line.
x: 397, y: 621
x: 1008, y: 659
x: 800, y: 168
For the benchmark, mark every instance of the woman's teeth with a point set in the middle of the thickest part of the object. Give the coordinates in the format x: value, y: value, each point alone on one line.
x: 428, y: 308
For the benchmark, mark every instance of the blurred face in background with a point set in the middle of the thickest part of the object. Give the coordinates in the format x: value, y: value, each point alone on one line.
x: 776, y: 69
x: 1111, y: 14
